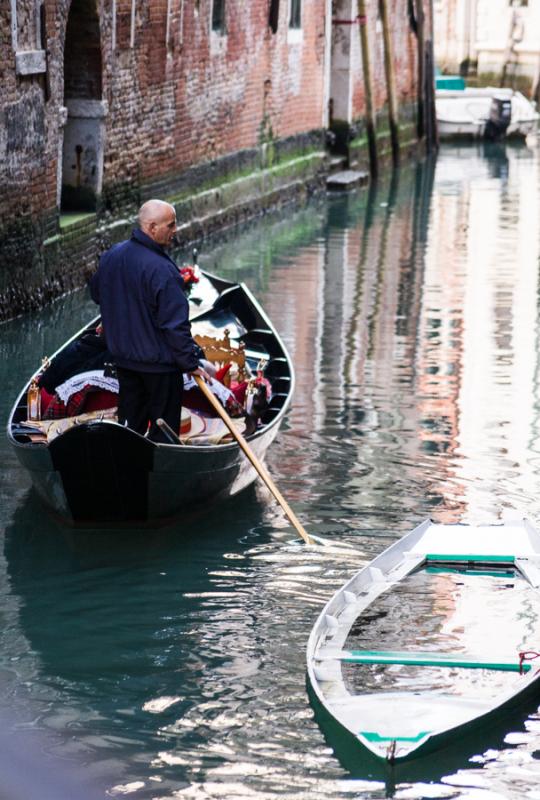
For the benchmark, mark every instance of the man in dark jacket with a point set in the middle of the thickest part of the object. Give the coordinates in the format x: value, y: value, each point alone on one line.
x: 145, y: 316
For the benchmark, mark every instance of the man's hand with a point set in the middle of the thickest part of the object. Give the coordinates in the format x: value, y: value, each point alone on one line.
x: 202, y: 373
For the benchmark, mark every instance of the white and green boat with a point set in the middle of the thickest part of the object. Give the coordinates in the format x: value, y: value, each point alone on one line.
x: 434, y: 639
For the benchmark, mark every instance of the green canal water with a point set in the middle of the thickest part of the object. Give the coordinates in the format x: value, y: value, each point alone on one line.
x: 172, y: 664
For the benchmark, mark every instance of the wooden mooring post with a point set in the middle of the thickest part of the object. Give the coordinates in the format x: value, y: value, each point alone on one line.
x: 368, y: 91
x: 426, y: 115
x: 393, y: 110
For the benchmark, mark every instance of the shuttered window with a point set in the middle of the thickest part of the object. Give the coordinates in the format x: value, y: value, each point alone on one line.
x: 295, y: 18
x: 218, y: 16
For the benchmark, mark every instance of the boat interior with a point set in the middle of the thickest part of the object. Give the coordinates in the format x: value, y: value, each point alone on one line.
x: 458, y: 649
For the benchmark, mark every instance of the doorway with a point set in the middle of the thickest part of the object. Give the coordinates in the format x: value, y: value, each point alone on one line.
x: 84, y: 132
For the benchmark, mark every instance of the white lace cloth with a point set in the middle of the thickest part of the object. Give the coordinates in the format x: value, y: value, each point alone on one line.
x: 98, y: 379
x: 221, y: 391
x: 95, y: 377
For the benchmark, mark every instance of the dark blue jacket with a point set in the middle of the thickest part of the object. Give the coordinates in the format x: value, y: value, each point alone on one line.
x: 144, y: 309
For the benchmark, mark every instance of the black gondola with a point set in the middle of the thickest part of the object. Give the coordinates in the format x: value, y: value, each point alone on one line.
x: 99, y: 473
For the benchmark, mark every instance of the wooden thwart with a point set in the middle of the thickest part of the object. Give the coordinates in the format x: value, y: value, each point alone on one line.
x: 425, y: 660
x: 458, y: 558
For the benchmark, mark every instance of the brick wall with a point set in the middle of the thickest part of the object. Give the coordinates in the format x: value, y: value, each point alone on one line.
x: 183, y: 104
x: 208, y: 95
x: 172, y: 103
x: 346, y: 38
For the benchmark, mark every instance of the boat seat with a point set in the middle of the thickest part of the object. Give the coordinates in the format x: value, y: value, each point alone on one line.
x: 422, y: 659
x: 468, y: 558
x: 222, y: 352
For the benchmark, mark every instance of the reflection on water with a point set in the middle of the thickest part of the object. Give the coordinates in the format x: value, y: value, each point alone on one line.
x: 172, y: 664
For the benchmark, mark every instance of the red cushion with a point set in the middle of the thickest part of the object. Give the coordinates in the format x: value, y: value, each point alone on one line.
x: 100, y: 400
x: 46, y: 398
x: 239, y: 391
x: 221, y: 374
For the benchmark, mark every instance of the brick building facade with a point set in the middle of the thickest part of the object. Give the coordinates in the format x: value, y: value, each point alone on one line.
x: 219, y: 106
x: 348, y: 85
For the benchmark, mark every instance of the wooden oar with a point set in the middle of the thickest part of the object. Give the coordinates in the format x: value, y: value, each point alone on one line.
x: 253, y: 458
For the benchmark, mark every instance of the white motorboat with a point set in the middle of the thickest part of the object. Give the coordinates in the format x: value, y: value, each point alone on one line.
x: 484, y: 113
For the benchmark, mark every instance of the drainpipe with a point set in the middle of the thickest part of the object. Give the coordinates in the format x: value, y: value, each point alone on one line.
x: 366, y: 66
x: 393, y: 110
x: 14, y: 26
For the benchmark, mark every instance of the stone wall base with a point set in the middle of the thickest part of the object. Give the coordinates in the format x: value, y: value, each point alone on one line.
x: 50, y: 257
x: 46, y: 260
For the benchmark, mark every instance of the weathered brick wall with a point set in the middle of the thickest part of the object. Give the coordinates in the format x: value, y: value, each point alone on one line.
x: 181, y: 95
x: 184, y: 107
x: 404, y: 45
x: 27, y: 171
x: 201, y: 95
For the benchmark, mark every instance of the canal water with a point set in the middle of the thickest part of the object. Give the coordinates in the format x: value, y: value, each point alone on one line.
x: 172, y: 664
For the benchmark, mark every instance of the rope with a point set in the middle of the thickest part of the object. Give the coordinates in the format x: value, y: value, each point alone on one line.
x: 527, y: 655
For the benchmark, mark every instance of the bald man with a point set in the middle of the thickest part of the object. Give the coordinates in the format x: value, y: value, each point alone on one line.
x: 145, y: 315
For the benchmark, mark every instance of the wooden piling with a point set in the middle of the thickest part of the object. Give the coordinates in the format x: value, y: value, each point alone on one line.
x: 366, y: 66
x: 421, y: 68
x: 430, y: 113
x: 393, y: 109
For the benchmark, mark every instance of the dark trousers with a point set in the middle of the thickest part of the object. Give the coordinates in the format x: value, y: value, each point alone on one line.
x: 145, y: 397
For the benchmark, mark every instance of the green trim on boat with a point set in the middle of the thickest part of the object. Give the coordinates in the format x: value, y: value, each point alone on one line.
x: 371, y: 736
x: 429, y: 660
x: 462, y: 571
x: 485, y: 559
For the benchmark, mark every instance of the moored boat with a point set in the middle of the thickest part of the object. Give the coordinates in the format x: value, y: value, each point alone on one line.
x: 435, y: 639
x: 90, y: 471
x: 485, y: 112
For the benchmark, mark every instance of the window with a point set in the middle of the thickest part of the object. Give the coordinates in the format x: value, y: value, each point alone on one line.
x: 218, y: 16
x: 295, y: 18
x: 273, y: 15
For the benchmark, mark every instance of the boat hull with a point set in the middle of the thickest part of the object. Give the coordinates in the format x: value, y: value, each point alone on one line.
x: 453, y: 748
x: 448, y: 129
x: 103, y: 477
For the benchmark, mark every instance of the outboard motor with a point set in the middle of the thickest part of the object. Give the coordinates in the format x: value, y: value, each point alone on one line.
x: 500, y: 115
